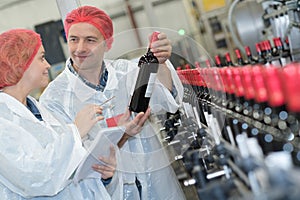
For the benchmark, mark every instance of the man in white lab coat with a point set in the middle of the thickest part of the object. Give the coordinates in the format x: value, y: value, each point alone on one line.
x: 88, y: 78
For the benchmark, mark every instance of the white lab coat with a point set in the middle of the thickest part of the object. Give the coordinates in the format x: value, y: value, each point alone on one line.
x: 39, y: 157
x: 143, y: 155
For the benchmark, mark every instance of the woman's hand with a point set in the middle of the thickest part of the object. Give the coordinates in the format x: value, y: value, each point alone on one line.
x: 87, y: 117
x: 108, y: 169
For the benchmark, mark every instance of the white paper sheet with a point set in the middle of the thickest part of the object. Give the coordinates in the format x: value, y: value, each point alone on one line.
x: 99, y: 147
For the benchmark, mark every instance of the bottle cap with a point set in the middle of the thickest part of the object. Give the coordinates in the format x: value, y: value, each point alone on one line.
x: 290, y: 80
x: 247, y: 82
x: 258, y: 48
x: 189, y: 76
x: 223, y: 79
x: 274, y: 86
x: 268, y: 45
x: 184, y: 78
x: 154, y: 36
x: 277, y: 42
x: 239, y: 89
x: 229, y: 79
x: 202, y: 75
x: 192, y: 77
x: 287, y: 41
x: 259, y: 84
x: 217, y: 79
x: 227, y: 57
x: 209, y: 76
x: 218, y: 60
x: 197, y: 65
x: 248, y: 50
x: 179, y: 73
x: 238, y: 53
x: 187, y: 66
x: 206, y: 77
x: 197, y: 77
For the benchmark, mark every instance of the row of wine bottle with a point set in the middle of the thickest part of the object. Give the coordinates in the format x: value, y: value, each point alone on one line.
x: 277, y: 54
x: 258, y: 100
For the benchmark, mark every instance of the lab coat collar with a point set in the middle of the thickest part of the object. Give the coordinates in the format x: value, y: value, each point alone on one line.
x: 21, y: 110
x: 112, y: 82
x: 17, y: 107
x: 83, y: 91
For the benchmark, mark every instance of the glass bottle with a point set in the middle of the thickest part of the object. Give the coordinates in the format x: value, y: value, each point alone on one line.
x: 148, y: 64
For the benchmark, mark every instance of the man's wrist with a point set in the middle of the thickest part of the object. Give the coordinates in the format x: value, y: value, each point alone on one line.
x: 123, y: 139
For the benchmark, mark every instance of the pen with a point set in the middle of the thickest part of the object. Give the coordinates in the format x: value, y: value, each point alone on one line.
x: 107, y: 101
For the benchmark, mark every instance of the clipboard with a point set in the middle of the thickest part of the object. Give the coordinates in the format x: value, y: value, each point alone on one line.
x: 99, y: 147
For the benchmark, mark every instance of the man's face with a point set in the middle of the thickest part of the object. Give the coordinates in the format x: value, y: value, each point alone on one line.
x: 86, y: 46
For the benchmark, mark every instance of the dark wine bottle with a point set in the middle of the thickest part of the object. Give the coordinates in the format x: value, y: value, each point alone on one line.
x: 250, y: 59
x: 239, y: 90
x: 260, y: 54
x: 276, y: 99
x: 261, y: 96
x: 227, y: 80
x: 290, y: 81
x: 281, y: 52
x: 218, y: 61
x: 228, y: 60
x: 268, y: 53
x: 148, y: 64
x: 248, y: 89
x: 240, y: 60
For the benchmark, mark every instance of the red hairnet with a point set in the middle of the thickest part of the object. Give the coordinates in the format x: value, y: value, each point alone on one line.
x: 93, y: 16
x: 18, y: 47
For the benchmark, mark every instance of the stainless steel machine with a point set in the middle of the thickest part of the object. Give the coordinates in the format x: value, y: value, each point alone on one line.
x: 218, y: 149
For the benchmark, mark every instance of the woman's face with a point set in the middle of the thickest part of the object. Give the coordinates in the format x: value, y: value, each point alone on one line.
x: 36, y: 76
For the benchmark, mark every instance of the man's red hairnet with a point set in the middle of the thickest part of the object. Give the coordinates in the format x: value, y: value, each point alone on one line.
x: 93, y: 16
x: 18, y: 47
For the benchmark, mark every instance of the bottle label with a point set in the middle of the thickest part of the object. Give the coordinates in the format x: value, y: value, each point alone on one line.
x: 150, y: 85
x: 113, y: 121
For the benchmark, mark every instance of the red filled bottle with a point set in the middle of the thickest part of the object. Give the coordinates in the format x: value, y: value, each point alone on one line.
x: 261, y: 96
x: 239, y: 58
x: 148, y: 64
x: 260, y: 54
x: 290, y: 81
x: 250, y: 59
x: 228, y: 60
x: 218, y: 61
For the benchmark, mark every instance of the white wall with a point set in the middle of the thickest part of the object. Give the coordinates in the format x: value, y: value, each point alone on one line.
x: 170, y: 16
x: 28, y: 14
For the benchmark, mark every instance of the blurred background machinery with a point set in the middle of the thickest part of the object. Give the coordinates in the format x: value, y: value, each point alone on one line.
x: 237, y: 134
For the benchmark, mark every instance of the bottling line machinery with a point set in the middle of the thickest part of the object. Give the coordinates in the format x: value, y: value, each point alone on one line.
x: 236, y: 135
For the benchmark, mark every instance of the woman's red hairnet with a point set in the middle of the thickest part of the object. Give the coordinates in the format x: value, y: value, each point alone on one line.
x: 93, y: 16
x: 18, y: 47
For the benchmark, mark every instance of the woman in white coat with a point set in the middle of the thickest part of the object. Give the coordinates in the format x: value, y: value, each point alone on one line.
x: 88, y: 78
x: 38, y: 153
